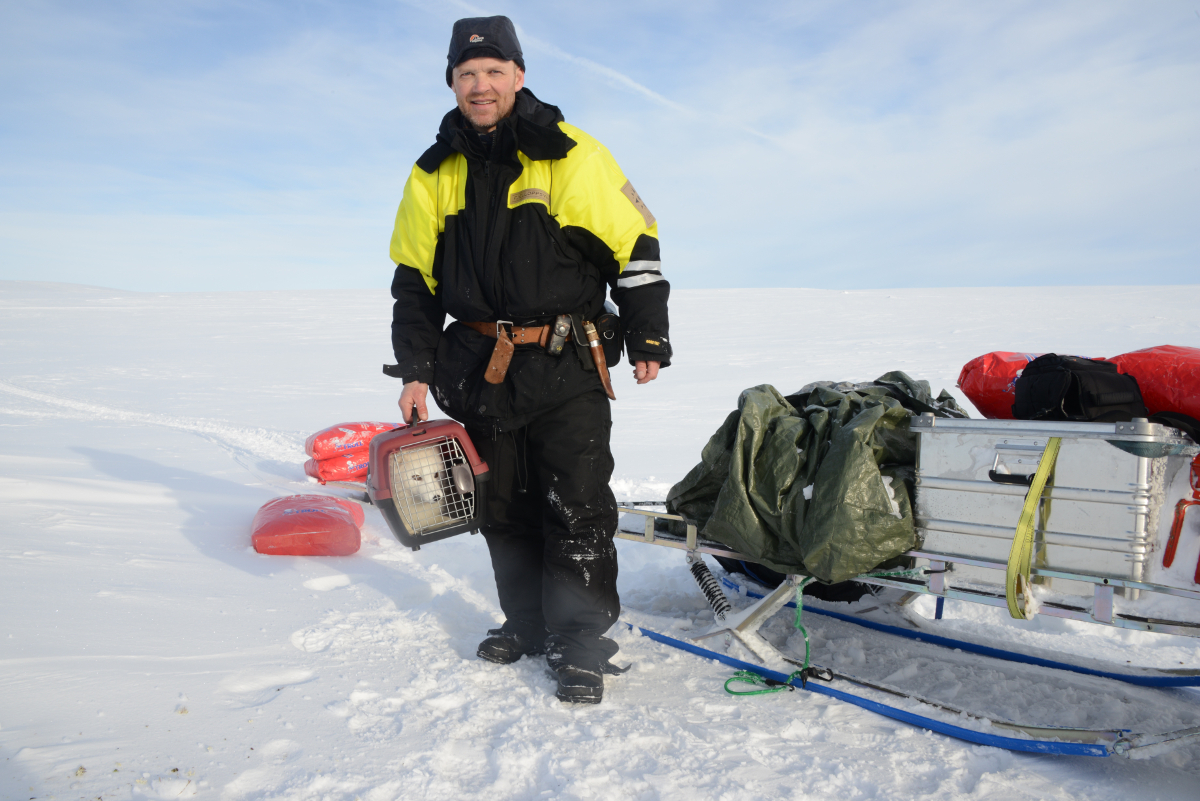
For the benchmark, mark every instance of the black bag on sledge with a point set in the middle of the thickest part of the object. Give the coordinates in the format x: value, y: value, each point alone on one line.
x: 1054, y: 387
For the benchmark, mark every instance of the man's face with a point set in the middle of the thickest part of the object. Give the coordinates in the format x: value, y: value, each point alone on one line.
x: 486, y: 89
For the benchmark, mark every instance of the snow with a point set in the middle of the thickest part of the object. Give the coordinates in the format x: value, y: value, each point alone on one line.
x: 148, y: 652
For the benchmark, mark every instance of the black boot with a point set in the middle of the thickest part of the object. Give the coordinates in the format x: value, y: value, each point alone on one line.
x: 578, y: 685
x: 505, y: 647
x: 580, y: 672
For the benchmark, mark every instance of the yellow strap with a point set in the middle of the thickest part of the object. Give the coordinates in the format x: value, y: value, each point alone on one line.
x: 1017, y: 576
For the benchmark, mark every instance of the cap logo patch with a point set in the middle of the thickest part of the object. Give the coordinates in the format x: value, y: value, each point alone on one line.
x: 476, y: 38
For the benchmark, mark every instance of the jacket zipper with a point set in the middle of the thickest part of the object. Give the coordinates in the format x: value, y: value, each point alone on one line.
x: 491, y: 240
x: 488, y: 201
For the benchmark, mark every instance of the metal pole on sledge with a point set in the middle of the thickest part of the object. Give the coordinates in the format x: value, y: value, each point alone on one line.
x: 742, y: 626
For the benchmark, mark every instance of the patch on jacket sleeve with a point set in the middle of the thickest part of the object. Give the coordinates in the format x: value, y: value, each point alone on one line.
x: 628, y: 191
x: 529, y: 194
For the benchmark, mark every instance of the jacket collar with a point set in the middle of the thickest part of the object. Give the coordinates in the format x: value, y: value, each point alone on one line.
x: 533, y: 127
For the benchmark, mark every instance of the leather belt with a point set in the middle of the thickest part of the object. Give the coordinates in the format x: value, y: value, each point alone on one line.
x: 506, y: 343
x: 520, y: 334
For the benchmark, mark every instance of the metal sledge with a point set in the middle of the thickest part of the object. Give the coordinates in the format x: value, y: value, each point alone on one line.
x: 743, y: 627
x: 1105, y: 521
x: 1107, y: 524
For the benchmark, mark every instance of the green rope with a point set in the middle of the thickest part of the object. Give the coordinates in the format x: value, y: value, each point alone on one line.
x: 752, y: 678
x: 800, y: 614
x: 771, y: 686
x: 910, y: 573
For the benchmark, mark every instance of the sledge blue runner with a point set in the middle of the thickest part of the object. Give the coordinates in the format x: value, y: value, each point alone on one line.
x: 1165, y: 678
x: 1107, y: 744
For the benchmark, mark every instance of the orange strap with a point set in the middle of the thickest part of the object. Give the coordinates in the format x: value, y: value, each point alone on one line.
x: 1180, y: 513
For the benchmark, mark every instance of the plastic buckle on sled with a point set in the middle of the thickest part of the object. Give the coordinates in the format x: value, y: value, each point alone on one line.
x: 819, y: 673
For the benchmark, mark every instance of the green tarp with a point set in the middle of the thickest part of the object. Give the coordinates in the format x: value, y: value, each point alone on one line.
x: 818, y: 482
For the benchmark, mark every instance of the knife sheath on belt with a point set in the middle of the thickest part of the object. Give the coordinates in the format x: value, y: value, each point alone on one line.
x: 598, y: 359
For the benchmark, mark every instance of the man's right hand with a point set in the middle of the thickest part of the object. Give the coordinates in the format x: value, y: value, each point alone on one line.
x: 413, y: 398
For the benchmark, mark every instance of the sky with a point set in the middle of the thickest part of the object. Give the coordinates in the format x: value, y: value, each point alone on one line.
x: 206, y: 146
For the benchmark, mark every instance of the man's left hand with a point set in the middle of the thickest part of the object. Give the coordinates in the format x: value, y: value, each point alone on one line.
x: 645, y: 372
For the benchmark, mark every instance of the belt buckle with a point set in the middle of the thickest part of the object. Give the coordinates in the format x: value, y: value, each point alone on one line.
x: 499, y: 329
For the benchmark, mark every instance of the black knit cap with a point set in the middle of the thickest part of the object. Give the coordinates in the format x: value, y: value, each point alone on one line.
x: 475, y: 37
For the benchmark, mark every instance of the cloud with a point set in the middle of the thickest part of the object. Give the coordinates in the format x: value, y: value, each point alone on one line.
x: 934, y: 144
x: 811, y: 144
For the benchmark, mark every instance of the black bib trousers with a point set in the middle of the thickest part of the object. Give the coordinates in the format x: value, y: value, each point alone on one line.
x: 551, y: 521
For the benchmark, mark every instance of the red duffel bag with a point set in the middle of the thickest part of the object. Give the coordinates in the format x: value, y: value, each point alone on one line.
x: 307, y: 525
x: 1167, y: 375
x: 339, y: 468
x: 988, y: 381
x: 344, y: 439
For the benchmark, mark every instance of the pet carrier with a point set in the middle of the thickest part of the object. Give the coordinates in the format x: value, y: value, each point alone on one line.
x: 428, y: 482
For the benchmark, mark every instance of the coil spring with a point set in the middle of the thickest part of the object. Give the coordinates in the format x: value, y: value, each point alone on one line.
x: 711, y: 589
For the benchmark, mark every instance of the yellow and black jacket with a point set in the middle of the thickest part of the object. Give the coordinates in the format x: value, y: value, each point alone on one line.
x: 531, y: 221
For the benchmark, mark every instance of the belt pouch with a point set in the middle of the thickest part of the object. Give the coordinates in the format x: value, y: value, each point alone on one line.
x: 559, y: 330
x: 612, y: 337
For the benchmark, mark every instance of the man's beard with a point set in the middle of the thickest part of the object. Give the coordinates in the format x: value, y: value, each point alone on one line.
x: 481, y: 118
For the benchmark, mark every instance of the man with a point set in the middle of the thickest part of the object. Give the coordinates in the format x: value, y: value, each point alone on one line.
x: 511, y: 221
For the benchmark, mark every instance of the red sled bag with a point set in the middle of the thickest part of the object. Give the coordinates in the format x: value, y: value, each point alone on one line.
x: 1168, y: 375
x: 339, y: 468
x: 307, y: 525
x: 344, y: 439
x: 989, y: 381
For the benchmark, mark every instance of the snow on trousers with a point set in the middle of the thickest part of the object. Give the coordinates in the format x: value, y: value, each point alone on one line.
x: 552, y: 545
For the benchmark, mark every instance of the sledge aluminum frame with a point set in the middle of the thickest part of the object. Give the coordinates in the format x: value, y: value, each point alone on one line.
x: 937, y: 581
x: 743, y: 626
x: 1103, y: 612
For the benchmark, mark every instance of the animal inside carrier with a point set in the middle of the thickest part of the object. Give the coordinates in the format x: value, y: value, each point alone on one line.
x: 428, y: 482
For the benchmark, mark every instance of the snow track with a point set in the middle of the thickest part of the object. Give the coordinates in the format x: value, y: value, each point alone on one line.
x: 147, y: 652
x: 256, y: 449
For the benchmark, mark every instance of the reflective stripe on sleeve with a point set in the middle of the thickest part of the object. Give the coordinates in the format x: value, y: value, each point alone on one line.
x: 638, y: 266
x: 638, y: 280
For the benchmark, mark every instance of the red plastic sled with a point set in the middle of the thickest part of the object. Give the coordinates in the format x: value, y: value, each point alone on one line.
x: 307, y: 525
